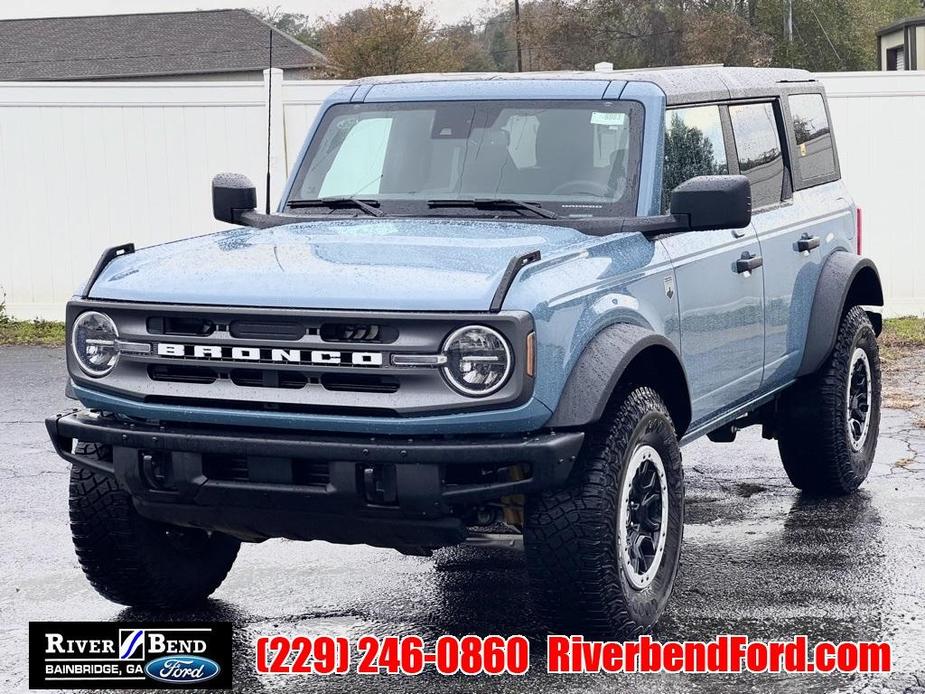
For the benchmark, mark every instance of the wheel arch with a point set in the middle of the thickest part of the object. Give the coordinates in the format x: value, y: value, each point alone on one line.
x: 845, y: 280
x: 619, y: 354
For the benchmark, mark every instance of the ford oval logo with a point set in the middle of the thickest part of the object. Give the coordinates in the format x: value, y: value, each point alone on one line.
x: 186, y: 669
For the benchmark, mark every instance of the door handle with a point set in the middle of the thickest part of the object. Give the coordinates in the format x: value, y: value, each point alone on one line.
x: 807, y: 243
x: 748, y: 262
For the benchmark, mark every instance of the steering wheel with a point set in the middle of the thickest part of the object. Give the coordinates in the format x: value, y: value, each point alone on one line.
x: 583, y: 187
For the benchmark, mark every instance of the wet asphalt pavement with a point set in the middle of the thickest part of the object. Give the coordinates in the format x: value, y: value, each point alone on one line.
x: 758, y: 559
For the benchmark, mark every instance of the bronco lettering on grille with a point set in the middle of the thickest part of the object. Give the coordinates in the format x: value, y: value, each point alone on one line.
x: 268, y: 354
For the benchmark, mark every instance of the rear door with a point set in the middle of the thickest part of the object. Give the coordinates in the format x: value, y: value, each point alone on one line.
x: 797, y: 229
x: 720, y: 309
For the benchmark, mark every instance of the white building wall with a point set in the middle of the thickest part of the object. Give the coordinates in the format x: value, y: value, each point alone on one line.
x: 879, y: 122
x: 84, y: 166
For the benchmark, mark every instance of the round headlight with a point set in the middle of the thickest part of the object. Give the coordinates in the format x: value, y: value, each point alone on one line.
x: 478, y: 360
x: 93, y: 341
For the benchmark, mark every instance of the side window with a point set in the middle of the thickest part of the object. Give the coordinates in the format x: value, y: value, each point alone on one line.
x: 760, y: 157
x: 815, y: 157
x: 361, y: 156
x: 694, y: 146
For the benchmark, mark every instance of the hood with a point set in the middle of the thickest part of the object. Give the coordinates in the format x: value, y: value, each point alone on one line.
x: 396, y: 264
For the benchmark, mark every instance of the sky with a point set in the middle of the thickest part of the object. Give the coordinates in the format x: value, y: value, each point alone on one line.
x: 444, y: 11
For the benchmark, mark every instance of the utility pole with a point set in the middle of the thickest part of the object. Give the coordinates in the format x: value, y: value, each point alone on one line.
x: 788, y: 30
x: 520, y: 58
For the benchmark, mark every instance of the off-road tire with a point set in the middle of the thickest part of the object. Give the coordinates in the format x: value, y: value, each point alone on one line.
x: 135, y: 561
x: 570, y: 535
x: 813, y: 434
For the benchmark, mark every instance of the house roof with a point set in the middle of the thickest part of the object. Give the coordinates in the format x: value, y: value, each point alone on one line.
x: 681, y: 84
x: 902, y: 24
x: 142, y: 45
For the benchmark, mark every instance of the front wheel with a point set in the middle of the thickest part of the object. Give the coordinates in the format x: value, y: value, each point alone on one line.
x: 830, y: 420
x: 602, y: 553
x: 134, y: 561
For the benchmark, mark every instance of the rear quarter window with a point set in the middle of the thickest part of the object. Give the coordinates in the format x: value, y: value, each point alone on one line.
x: 815, y: 155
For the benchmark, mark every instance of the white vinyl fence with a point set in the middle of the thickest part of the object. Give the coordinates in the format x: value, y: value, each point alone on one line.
x: 84, y: 166
x: 879, y: 122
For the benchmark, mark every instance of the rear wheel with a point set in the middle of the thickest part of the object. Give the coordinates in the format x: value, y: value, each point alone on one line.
x: 830, y: 421
x: 602, y: 553
x: 132, y: 560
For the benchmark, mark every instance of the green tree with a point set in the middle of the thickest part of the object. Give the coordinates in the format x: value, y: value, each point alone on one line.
x: 831, y: 35
x: 299, y: 26
x: 716, y: 36
x: 575, y: 34
x: 499, y: 40
x: 393, y: 38
x: 466, y: 44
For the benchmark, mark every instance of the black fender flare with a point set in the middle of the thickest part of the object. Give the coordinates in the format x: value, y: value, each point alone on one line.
x: 846, y: 280
x: 604, y: 362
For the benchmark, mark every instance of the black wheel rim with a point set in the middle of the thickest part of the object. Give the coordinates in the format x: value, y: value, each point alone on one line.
x: 643, y: 517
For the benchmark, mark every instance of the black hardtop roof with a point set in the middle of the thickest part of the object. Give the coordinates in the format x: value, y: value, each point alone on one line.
x: 681, y: 84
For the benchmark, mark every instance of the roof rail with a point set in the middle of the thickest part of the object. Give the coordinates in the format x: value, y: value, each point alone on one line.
x: 664, y: 67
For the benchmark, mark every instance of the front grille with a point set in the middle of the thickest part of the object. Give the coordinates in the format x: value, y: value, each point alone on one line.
x: 269, y: 330
x: 359, y: 383
x: 183, y: 325
x: 273, y: 378
x: 182, y: 373
x: 306, y: 362
x: 358, y: 332
x: 269, y: 378
x: 363, y: 333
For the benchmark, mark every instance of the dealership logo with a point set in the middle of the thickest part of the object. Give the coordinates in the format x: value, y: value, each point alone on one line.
x: 317, y: 357
x: 105, y: 655
x: 174, y: 669
x: 131, y: 644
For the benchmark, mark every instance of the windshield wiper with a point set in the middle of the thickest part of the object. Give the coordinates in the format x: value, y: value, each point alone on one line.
x: 494, y: 203
x: 368, y: 206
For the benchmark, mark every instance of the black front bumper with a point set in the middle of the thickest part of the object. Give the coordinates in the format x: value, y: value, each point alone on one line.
x: 408, y: 493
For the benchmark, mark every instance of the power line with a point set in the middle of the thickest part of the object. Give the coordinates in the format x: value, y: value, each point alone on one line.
x: 826, y: 34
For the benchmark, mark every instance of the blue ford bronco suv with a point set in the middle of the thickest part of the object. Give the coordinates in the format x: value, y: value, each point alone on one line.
x: 486, y: 304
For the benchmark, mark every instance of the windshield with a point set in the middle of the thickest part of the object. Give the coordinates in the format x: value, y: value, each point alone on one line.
x: 575, y: 158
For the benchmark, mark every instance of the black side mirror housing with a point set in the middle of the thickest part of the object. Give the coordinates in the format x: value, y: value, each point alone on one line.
x: 713, y: 202
x: 232, y: 195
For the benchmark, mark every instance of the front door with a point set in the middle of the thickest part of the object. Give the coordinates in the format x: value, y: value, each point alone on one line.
x: 721, y: 310
x: 718, y: 274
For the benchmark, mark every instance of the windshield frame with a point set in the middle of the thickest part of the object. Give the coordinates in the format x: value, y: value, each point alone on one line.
x: 580, y: 207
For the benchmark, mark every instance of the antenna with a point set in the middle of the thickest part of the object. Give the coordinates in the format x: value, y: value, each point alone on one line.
x: 269, y: 119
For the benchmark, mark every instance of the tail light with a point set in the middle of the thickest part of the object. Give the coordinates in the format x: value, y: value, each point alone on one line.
x: 858, y: 218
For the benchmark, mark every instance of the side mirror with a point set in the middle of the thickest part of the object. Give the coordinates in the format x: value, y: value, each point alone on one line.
x: 232, y: 195
x: 714, y: 202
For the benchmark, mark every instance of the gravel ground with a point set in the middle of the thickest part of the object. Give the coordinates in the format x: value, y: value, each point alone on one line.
x: 758, y: 559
